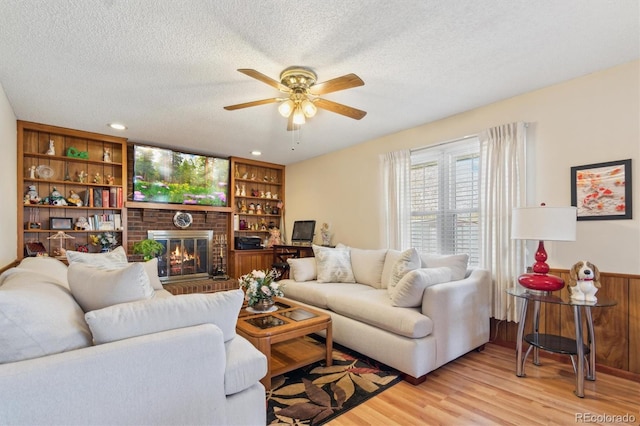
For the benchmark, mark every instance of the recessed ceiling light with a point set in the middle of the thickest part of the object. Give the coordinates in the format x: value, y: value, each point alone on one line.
x: 117, y: 126
x: 256, y: 153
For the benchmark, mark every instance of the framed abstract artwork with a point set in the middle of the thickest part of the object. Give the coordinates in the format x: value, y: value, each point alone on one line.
x: 602, y: 191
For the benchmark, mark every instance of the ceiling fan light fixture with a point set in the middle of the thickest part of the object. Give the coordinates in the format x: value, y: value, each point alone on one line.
x: 298, y: 116
x: 286, y: 108
x: 308, y: 108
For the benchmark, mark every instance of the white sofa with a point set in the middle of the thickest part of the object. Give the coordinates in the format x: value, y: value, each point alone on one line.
x: 413, y: 312
x: 157, y: 359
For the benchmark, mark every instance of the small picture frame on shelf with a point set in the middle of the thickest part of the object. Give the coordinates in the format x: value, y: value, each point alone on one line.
x: 32, y: 225
x: 60, y: 223
x: 35, y: 248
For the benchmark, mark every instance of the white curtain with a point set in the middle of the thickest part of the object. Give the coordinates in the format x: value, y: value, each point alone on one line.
x: 396, y: 209
x: 503, y: 173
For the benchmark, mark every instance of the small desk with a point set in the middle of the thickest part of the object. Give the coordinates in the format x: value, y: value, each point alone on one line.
x: 559, y: 344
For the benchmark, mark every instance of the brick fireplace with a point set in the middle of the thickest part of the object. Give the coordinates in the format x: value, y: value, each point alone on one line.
x: 142, y: 220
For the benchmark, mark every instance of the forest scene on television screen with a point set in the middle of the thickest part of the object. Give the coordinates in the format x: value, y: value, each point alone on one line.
x: 166, y: 176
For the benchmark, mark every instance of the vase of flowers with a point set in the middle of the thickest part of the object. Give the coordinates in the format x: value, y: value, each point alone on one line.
x: 106, y: 240
x: 260, y: 288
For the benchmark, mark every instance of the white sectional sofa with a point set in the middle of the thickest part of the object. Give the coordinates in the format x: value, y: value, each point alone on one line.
x: 151, y: 358
x: 412, y: 312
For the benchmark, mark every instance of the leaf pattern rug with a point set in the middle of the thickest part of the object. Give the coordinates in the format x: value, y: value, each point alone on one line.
x: 315, y: 394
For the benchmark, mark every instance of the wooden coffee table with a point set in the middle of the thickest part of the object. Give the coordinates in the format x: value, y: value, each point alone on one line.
x: 280, y: 336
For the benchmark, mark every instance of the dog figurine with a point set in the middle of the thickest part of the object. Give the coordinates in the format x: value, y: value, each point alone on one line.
x: 584, y: 281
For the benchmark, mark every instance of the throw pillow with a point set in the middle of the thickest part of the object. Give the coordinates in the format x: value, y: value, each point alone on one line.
x: 151, y: 268
x: 333, y: 265
x: 115, y: 259
x: 408, y: 261
x: 302, y: 269
x: 38, y: 317
x: 98, y: 288
x: 410, y: 289
x: 152, y: 316
x: 389, y: 261
x: 367, y: 266
x: 457, y: 262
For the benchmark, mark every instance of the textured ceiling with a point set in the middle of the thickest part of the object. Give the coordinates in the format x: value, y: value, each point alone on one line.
x: 167, y: 68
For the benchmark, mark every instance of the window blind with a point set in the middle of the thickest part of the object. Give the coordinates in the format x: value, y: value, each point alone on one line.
x: 444, y: 199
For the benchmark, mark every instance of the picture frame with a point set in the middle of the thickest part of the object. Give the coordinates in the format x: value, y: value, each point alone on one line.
x: 602, y: 191
x: 60, y: 223
x: 34, y: 248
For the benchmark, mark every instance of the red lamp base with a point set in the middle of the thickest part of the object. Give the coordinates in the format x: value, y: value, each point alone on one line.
x: 541, y: 282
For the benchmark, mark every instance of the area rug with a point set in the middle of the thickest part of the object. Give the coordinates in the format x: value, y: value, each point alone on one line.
x: 315, y: 394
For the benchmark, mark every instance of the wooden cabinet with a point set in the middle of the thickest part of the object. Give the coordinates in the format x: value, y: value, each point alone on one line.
x: 74, y: 175
x: 257, y: 200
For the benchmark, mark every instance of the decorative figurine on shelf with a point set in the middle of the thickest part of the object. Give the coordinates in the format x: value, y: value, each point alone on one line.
x: 82, y: 224
x: 81, y: 176
x: 82, y: 248
x: 237, y: 172
x: 74, y: 199
x: 243, y: 207
x: 56, y: 198
x: 97, y: 178
x: 584, y: 281
x: 267, y: 194
x: 252, y: 208
x: 259, y: 210
x: 326, y: 236
x: 110, y: 180
x: 32, y: 195
x: 254, y: 192
x: 274, y: 238
x: 243, y: 191
x: 52, y: 148
x: 245, y: 175
x: 106, y: 155
x: 237, y: 190
x: 32, y: 172
x: 263, y: 224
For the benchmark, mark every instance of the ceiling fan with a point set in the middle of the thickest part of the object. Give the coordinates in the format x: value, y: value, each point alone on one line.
x: 303, y: 94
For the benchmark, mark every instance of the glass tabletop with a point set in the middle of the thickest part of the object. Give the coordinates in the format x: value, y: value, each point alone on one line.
x: 562, y: 299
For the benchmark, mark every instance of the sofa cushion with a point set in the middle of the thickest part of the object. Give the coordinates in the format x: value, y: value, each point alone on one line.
x: 38, y: 317
x: 245, y: 365
x: 98, y: 288
x: 303, y: 269
x: 408, y: 261
x: 151, y: 316
x: 373, y: 307
x: 410, y: 289
x: 52, y: 267
x: 333, y: 265
x: 457, y: 262
x: 316, y: 294
x: 115, y: 259
x: 389, y: 261
x: 367, y: 266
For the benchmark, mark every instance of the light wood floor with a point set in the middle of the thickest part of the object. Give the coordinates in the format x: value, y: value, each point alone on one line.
x: 481, y: 388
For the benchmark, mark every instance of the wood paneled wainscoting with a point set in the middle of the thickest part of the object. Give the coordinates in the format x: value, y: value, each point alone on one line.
x: 617, y: 328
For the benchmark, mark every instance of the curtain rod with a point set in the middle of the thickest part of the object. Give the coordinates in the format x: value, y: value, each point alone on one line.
x: 526, y: 125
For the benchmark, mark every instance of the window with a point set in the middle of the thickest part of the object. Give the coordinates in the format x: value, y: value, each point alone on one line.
x: 444, y: 199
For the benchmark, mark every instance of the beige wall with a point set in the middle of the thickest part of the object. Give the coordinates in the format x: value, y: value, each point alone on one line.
x: 586, y: 120
x: 8, y: 152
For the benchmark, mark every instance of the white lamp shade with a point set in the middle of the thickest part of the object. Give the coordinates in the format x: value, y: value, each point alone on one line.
x: 544, y: 223
x: 286, y: 108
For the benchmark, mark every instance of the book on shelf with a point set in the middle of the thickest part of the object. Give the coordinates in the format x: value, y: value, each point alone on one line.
x: 105, y: 197
x: 113, y: 201
x: 97, y: 197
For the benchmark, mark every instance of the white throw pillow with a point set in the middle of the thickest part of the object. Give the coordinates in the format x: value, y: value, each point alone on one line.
x: 389, y: 261
x: 302, y: 269
x: 333, y: 265
x: 457, y: 262
x: 151, y: 268
x: 38, y: 317
x: 408, y: 261
x: 98, y: 288
x: 152, y: 316
x: 115, y: 259
x: 367, y: 266
x: 410, y: 289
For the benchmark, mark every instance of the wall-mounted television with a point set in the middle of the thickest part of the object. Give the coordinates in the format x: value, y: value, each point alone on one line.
x: 165, y: 176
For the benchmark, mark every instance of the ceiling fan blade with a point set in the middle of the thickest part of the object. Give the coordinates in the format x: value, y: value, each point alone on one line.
x: 252, y: 103
x: 347, y: 111
x: 263, y: 78
x: 291, y: 125
x: 341, y: 83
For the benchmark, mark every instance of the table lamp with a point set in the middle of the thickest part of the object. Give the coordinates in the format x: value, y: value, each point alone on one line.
x: 543, y: 223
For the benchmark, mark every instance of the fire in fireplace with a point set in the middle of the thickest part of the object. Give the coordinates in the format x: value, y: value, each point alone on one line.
x: 186, y: 254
